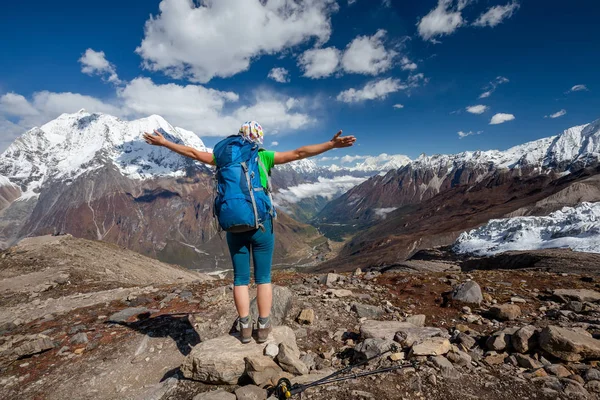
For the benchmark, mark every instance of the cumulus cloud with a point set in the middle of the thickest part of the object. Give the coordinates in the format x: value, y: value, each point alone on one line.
x: 274, y: 144
x: 398, y: 106
x: 204, y: 39
x: 95, y: 63
x: 348, y: 159
x: 501, y: 118
x: 207, y: 112
x: 478, y: 109
x: 442, y: 20
x: 462, y: 134
x: 492, y: 86
x: 319, y: 63
x: 279, y: 75
x: 578, y: 88
x: 407, y: 65
x: 383, y: 212
x: 557, y: 114
x: 379, y: 89
x: 328, y: 158
x: 368, y: 55
x: 324, y: 187
x: 495, y: 15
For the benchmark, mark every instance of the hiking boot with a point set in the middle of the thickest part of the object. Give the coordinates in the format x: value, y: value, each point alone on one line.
x: 263, y: 331
x: 245, y: 331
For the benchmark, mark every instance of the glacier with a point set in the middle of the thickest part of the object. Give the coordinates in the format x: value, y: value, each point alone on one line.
x: 577, y: 228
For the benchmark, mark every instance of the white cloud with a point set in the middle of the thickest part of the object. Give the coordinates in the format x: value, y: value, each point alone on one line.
x: 478, y: 109
x: 207, y: 112
x: 462, y: 134
x: 398, y: 106
x: 407, y: 65
x: 495, y: 15
x: 368, y: 55
x: 348, y: 159
x: 319, y: 63
x: 279, y: 75
x: 372, y: 90
x: 203, y: 39
x: 350, y: 2
x: 95, y: 63
x: 557, y: 114
x: 274, y: 144
x: 491, y: 87
x: 578, y: 88
x: 442, y: 20
x: 327, y: 158
x: 324, y: 187
x: 501, y: 118
x: 383, y: 212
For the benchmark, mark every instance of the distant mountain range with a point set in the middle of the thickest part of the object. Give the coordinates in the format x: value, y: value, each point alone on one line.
x: 433, y: 199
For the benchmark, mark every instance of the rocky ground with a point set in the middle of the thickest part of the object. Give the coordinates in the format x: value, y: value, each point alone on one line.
x: 495, y: 334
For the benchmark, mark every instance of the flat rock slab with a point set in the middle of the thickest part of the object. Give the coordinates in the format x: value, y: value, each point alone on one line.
x: 382, y: 329
x: 578, y: 294
x: 569, y: 345
x: 436, y: 346
x: 251, y: 392
x: 124, y: 315
x: 221, y: 360
x: 409, y: 336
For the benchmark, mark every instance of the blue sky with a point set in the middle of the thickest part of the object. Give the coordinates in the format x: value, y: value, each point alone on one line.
x: 206, y: 69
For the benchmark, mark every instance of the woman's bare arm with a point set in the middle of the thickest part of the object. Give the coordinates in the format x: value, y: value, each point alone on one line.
x: 159, y: 140
x: 336, y: 142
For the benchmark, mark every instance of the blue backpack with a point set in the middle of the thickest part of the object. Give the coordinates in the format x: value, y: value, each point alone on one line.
x: 241, y: 203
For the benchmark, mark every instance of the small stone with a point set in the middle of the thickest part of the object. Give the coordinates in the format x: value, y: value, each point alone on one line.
x: 79, y: 351
x: 80, y: 338
x: 289, y: 360
x: 397, y: 356
x: 361, y: 394
x: 306, y: 316
x: 339, y: 292
x: 124, y: 315
x: 271, y: 350
x: 505, y: 312
x: 459, y: 357
x: 498, y: 342
x: 468, y: 292
x: 524, y: 339
x: 466, y: 340
x: 357, y: 272
x: 495, y: 359
x: 518, y: 300
x: 527, y: 362
x: 557, y: 370
x: 77, y: 328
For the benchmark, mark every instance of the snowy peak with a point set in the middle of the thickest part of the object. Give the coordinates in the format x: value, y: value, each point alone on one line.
x: 73, y: 144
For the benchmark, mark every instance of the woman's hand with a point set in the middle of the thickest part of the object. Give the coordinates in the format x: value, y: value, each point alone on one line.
x: 156, y: 140
x: 340, y: 141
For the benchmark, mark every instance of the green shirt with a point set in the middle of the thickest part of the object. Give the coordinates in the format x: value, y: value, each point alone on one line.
x: 268, y: 160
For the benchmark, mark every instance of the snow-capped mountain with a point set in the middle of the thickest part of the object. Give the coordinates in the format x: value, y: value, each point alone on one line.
x: 425, y: 177
x: 74, y: 144
x: 375, y: 164
x: 92, y: 175
x: 577, y: 228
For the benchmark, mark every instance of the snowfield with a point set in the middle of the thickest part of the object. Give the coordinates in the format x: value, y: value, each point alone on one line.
x: 577, y: 228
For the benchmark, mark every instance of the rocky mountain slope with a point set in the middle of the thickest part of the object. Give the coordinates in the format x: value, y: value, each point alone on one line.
x: 452, y: 335
x: 427, y: 176
x: 92, y: 175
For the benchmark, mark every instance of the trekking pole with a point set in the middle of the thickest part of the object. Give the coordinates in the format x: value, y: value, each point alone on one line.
x: 284, y: 389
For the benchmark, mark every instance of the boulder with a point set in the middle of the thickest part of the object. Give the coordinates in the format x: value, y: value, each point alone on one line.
x: 372, y: 347
x: 446, y: 367
x: 569, y: 345
x: 459, y: 358
x: 499, y: 341
x: 409, y: 336
x: 289, y: 359
x: 262, y: 369
x: 524, y: 339
x: 382, y: 329
x: 215, y: 395
x: 366, y: 311
x: 435, y: 346
x: 466, y: 340
x: 250, y: 392
x: 505, y: 312
x: 558, y: 370
x: 581, y: 295
x: 527, y: 362
x: 417, y: 320
x: 306, y: 316
x: 468, y: 292
x: 282, y: 304
x: 222, y: 360
x: 330, y: 279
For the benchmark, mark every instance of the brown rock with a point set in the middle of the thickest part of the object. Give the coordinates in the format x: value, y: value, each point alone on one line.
x: 435, y: 346
x: 262, y: 369
x: 382, y: 329
x: 557, y: 370
x: 307, y: 316
x: 250, y: 392
x: 569, y: 345
x: 506, y: 312
x: 524, y: 339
